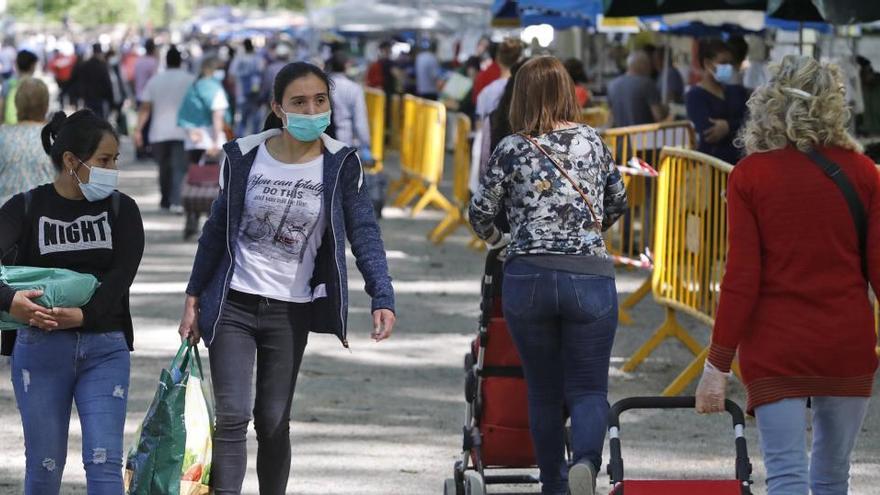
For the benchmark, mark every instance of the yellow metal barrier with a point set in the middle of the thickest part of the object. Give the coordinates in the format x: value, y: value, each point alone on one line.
x: 596, y: 117
x: 396, y: 124
x: 461, y: 195
x: 375, y: 99
x: 631, y: 236
x: 406, y: 140
x: 690, y: 251
x: 422, y: 155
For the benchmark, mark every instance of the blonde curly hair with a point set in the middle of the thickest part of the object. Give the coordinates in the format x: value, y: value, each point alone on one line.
x: 803, y: 104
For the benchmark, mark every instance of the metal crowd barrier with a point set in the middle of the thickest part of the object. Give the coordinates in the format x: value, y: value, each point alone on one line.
x: 375, y: 99
x: 630, y: 239
x: 422, y: 156
x: 690, y: 251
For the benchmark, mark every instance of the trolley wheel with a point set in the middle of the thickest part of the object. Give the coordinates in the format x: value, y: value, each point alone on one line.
x: 458, y: 478
x: 449, y: 487
x: 470, y: 385
x: 469, y: 361
x: 473, y: 483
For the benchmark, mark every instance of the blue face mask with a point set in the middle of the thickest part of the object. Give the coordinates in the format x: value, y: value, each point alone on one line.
x: 307, y: 128
x: 724, y: 73
x: 102, y: 183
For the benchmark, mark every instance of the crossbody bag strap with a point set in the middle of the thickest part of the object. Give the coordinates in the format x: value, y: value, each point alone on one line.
x: 856, y: 208
x: 562, y: 171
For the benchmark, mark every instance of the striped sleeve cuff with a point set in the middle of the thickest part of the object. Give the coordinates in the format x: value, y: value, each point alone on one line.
x: 721, y: 357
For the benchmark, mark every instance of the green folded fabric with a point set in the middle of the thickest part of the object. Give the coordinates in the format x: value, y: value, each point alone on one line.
x: 61, y: 288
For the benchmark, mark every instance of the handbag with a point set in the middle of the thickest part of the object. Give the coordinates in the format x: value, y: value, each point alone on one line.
x: 562, y: 171
x: 203, y: 173
x: 856, y: 208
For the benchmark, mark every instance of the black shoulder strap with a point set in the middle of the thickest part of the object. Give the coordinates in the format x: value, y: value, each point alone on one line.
x: 27, y: 206
x: 856, y: 208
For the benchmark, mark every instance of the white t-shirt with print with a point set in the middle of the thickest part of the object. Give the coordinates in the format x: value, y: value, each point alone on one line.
x: 281, y: 229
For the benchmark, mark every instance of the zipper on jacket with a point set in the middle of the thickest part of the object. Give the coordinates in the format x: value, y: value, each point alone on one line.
x: 228, y: 250
x: 335, y: 257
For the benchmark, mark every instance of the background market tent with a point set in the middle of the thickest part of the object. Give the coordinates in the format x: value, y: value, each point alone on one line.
x: 364, y: 16
x: 561, y: 14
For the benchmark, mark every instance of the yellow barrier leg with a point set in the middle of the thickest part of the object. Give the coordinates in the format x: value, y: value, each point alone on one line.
x: 409, y: 193
x: 669, y: 329
x: 633, y: 299
x: 446, y: 227
x: 692, y: 372
x: 432, y: 197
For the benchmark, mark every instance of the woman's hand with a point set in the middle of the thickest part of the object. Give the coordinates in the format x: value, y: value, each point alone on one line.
x: 57, y: 319
x: 23, y: 309
x: 383, y: 324
x: 189, y: 323
x: 720, y: 128
x: 712, y: 390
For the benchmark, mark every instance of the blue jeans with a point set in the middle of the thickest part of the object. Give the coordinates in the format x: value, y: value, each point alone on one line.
x: 50, y: 370
x: 782, y: 427
x: 250, y: 121
x: 563, y: 325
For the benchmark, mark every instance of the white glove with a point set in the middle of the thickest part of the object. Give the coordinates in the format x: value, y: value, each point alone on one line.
x: 712, y: 390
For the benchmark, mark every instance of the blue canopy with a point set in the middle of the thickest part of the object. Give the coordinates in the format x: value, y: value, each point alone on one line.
x: 561, y: 14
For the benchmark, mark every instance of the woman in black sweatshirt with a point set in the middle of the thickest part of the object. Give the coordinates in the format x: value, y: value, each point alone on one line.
x: 60, y: 355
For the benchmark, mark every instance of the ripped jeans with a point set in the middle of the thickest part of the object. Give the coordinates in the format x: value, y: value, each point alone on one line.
x: 51, y: 370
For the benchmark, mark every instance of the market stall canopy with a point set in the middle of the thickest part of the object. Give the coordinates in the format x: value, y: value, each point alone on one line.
x: 561, y: 14
x: 360, y: 17
x: 832, y: 11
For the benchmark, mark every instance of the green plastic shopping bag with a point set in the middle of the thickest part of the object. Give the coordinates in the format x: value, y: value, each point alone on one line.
x: 61, y: 288
x: 172, y: 455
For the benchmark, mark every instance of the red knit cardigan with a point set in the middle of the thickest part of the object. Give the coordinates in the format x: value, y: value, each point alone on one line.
x: 794, y: 302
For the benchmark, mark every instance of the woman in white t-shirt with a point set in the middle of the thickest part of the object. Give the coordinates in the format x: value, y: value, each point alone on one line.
x: 271, y: 268
x: 204, y: 115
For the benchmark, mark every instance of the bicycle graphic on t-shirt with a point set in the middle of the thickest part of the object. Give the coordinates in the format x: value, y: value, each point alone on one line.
x: 279, y: 239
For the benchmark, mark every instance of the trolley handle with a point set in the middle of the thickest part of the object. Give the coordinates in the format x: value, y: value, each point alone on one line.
x: 615, y: 463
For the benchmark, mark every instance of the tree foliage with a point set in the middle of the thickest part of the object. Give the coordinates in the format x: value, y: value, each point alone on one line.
x: 98, y: 12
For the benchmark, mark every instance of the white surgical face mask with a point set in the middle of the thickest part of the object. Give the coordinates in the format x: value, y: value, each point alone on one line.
x: 102, y: 182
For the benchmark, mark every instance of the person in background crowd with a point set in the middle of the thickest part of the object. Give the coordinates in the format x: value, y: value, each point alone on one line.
x: 66, y: 355
x: 489, y: 74
x: 756, y: 75
x: 428, y: 72
x: 92, y: 79
x: 716, y: 106
x: 575, y: 69
x: 281, y: 56
x: 564, y: 331
x: 633, y: 96
x: 204, y: 115
x: 259, y: 300
x: 162, y: 99
x: 509, y: 53
x: 145, y: 67
x: 349, y: 108
x: 120, y: 94
x: 7, y: 58
x: 739, y: 49
x: 382, y: 75
x: 466, y: 105
x: 666, y: 71
x: 246, y: 71
x: 61, y: 66
x: 25, y: 66
x: 797, y: 313
x: 23, y: 164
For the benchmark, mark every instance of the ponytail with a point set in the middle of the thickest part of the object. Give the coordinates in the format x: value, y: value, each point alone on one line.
x: 272, y: 122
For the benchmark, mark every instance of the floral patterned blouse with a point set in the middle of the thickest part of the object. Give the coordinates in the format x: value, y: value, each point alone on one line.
x: 23, y: 163
x: 547, y: 214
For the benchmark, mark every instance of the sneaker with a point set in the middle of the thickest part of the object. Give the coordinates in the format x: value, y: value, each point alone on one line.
x: 582, y: 479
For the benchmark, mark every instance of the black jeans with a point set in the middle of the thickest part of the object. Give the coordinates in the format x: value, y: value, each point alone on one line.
x: 171, y: 158
x: 276, y: 333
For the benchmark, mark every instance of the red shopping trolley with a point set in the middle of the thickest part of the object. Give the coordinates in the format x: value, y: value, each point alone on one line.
x: 739, y: 486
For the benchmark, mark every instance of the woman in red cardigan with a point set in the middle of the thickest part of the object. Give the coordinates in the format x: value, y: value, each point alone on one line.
x: 794, y: 300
